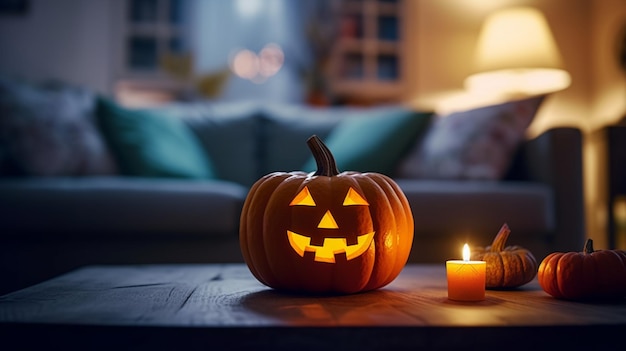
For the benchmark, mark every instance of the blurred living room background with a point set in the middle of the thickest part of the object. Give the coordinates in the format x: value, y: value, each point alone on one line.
x: 325, y: 52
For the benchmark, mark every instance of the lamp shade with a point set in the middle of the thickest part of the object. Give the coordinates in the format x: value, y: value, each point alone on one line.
x: 517, y: 54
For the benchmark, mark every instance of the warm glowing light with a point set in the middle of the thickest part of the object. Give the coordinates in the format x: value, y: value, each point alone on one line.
x: 271, y: 60
x: 303, y: 198
x: 619, y: 209
x: 466, y: 252
x: 328, y: 221
x: 258, y: 68
x: 331, y: 247
x: 517, y: 54
x: 506, y: 37
x: 245, y: 64
x: 521, y: 80
x: 619, y: 215
x: 353, y: 198
x: 463, y: 100
x: 466, y: 279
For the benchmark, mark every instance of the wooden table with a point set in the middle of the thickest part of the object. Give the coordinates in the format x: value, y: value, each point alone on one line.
x: 201, y: 306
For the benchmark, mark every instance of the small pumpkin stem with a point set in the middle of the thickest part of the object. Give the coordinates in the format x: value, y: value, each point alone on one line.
x: 326, y: 164
x: 500, y: 240
x: 588, y: 246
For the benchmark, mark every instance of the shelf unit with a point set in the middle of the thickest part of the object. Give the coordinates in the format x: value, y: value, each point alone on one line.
x: 366, y: 61
x: 155, y: 29
x: 154, y: 61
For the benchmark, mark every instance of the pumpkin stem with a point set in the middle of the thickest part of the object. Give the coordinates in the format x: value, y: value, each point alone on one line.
x: 588, y: 246
x: 500, y: 240
x: 326, y: 164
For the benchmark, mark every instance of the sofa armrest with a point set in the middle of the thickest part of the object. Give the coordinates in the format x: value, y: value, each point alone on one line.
x: 555, y: 158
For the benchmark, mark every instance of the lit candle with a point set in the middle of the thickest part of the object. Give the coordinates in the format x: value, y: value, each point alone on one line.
x: 466, y: 279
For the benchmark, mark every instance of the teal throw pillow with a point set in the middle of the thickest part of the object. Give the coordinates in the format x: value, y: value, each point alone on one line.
x: 375, y: 141
x: 228, y: 133
x: 149, y: 144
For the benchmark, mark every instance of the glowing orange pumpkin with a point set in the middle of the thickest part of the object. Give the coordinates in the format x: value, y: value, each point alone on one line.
x: 325, y: 232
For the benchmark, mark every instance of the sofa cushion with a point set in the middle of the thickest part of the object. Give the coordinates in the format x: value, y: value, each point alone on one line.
x: 120, y: 206
x: 48, y: 130
x: 474, y: 144
x: 152, y: 144
x: 285, y: 130
x: 228, y: 133
x: 375, y: 140
x: 478, y: 208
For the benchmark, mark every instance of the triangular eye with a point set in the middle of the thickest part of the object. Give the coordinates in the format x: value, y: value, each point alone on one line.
x: 303, y: 198
x: 353, y: 198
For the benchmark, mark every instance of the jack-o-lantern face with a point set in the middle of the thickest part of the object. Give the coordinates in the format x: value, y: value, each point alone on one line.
x: 325, y: 232
x: 331, y: 246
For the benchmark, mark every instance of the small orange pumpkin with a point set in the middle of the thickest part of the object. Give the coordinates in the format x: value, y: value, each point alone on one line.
x: 507, y: 267
x: 584, y: 275
x: 325, y: 232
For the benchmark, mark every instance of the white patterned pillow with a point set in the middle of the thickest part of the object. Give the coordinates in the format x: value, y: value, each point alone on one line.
x: 49, y: 132
x: 473, y: 144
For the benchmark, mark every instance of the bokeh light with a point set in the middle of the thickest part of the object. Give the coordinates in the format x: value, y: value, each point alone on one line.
x: 258, y: 68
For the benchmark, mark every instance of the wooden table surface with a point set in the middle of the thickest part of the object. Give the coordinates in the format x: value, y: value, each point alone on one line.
x: 162, y: 305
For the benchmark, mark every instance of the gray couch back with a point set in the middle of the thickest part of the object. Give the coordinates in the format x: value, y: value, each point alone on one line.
x: 248, y: 140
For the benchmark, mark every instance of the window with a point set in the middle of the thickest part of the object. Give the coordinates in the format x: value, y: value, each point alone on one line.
x: 155, y: 61
x: 215, y: 49
x: 156, y: 34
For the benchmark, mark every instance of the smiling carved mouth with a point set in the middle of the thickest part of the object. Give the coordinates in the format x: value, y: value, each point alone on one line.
x: 331, y: 247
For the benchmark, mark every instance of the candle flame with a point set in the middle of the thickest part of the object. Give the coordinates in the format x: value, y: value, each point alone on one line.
x: 466, y: 252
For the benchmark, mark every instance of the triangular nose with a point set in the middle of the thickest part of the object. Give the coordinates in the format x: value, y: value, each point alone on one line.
x: 328, y: 222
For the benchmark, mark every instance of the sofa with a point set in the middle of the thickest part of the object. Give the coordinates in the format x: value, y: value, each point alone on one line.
x: 85, y: 180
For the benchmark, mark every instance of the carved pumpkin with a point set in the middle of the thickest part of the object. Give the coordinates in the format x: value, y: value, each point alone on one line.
x: 507, y: 267
x: 325, y: 232
x: 584, y: 275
